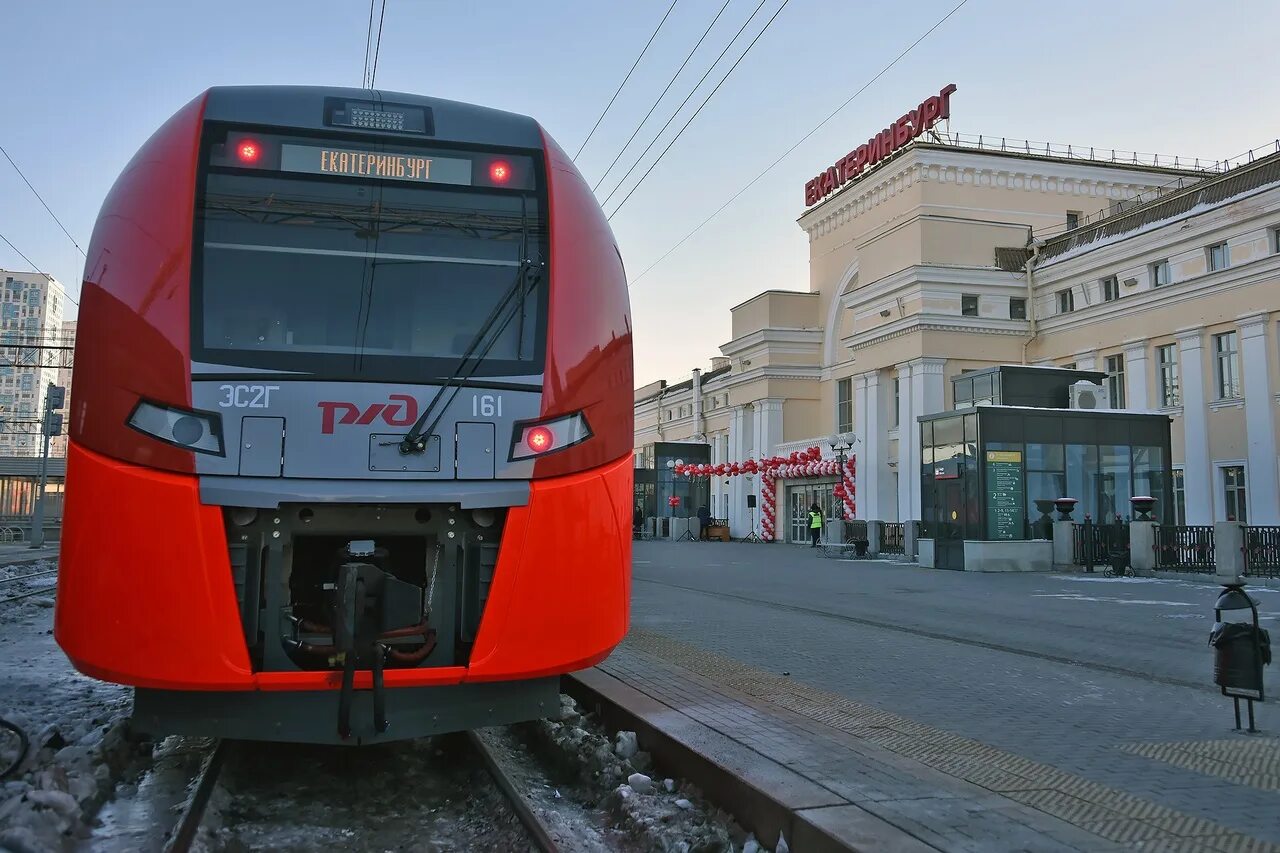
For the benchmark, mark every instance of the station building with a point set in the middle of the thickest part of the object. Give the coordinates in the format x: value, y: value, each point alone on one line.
x: 953, y: 255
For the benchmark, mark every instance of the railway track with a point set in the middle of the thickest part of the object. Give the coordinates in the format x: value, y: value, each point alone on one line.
x: 23, y: 577
x: 541, y: 834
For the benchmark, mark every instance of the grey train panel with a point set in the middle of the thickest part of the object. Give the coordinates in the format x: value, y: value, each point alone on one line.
x: 269, y: 493
x: 332, y: 424
x: 308, y: 716
x: 385, y: 455
x: 261, y: 446
x: 476, y: 451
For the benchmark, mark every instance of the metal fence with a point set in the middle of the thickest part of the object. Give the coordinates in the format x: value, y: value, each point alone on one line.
x: 1262, y: 552
x: 892, y: 538
x: 1092, y: 544
x: 1185, y: 548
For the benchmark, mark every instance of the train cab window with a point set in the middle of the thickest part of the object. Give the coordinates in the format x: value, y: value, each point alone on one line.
x: 357, y: 277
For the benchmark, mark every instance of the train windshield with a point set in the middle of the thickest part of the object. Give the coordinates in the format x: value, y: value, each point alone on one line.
x: 371, y: 263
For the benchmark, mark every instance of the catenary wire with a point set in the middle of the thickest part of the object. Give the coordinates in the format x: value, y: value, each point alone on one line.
x: 660, y: 97
x: 368, y: 40
x: 625, y: 79
x: 686, y: 100
x: 33, y: 266
x: 42, y: 201
x: 377, y: 47
x: 705, y: 101
x: 784, y: 154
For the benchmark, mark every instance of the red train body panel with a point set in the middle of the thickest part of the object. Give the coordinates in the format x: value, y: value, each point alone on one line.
x: 251, y: 533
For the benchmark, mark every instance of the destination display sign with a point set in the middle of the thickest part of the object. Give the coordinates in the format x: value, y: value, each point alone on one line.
x: 1006, y: 495
x: 355, y: 163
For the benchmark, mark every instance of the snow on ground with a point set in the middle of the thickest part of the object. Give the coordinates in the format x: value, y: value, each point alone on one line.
x: 75, y: 724
x: 660, y: 814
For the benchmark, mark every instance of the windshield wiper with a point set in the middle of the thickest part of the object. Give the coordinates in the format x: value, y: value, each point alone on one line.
x: 527, y: 276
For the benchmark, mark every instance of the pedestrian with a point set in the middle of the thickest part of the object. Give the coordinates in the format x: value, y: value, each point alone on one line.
x: 815, y: 524
x: 704, y: 522
x: 637, y: 520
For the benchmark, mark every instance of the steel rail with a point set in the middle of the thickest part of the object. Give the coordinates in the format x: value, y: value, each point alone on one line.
x: 523, y: 808
x: 184, y: 832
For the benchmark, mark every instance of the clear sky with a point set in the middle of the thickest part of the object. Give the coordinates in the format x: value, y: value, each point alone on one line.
x: 84, y: 82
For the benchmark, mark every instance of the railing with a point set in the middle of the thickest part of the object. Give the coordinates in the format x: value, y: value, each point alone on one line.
x: 1157, y: 192
x: 1262, y: 552
x: 12, y: 534
x: 1185, y: 548
x: 1092, y: 544
x: 1091, y: 153
x: 893, y: 539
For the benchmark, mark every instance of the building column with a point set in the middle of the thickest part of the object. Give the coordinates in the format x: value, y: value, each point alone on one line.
x: 737, y: 514
x: 768, y: 426
x: 906, y: 427
x: 1135, y: 373
x: 926, y: 398
x: 1198, y: 479
x: 1259, y: 417
x: 867, y: 483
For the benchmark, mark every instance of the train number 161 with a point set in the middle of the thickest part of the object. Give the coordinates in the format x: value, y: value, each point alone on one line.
x: 486, y: 406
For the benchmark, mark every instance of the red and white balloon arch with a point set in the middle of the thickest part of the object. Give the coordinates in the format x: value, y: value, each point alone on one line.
x: 798, y: 465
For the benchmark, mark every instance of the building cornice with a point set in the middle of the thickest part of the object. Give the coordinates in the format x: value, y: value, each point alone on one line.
x: 936, y: 323
x: 1168, y: 238
x: 764, y: 337
x: 1248, y: 274
x: 976, y: 168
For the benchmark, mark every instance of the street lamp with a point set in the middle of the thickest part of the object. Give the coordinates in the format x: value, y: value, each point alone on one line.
x: 840, y: 444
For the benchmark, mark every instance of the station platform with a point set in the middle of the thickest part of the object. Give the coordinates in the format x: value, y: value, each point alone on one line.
x: 832, y: 773
x: 964, y: 711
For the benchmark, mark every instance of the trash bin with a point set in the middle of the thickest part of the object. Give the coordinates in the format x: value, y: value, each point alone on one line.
x: 1240, y: 650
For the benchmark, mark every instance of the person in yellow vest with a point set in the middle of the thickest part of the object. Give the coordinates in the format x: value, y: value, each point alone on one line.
x: 815, y: 524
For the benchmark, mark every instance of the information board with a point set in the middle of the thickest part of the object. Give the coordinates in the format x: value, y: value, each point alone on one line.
x: 1006, y: 495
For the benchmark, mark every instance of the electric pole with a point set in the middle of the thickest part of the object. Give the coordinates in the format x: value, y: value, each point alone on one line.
x: 50, y: 425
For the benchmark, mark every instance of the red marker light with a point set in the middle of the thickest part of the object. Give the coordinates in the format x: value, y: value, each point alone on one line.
x: 248, y: 151
x: 499, y: 172
x: 539, y: 439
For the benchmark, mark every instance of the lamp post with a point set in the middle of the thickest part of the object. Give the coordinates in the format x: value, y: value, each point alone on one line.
x: 671, y: 466
x: 841, y: 443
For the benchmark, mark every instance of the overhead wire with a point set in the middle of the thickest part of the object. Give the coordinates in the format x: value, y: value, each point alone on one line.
x: 42, y: 201
x: 798, y: 143
x: 705, y: 101
x: 670, y: 82
x: 377, y: 48
x: 37, y: 269
x: 368, y: 40
x: 625, y: 79
x: 686, y: 100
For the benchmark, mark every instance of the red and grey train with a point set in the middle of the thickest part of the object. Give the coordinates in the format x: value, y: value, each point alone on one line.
x: 351, y: 435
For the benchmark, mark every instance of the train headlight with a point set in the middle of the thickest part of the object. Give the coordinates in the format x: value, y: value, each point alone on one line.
x: 538, y: 438
x: 185, y: 428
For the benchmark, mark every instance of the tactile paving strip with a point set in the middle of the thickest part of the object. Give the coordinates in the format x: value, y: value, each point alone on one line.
x: 1096, y: 808
x: 1252, y: 761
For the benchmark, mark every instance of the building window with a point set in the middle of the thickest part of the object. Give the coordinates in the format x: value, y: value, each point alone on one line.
x: 1018, y: 308
x: 1226, y: 357
x: 1218, y: 257
x: 1160, y: 273
x: 1179, y: 497
x: 1233, y: 493
x: 1073, y: 218
x: 1066, y: 301
x: 897, y: 391
x: 1110, y: 289
x: 844, y: 405
x: 1070, y: 365
x: 1115, y: 380
x: 1167, y: 371
x: 969, y: 305
x: 1275, y: 239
